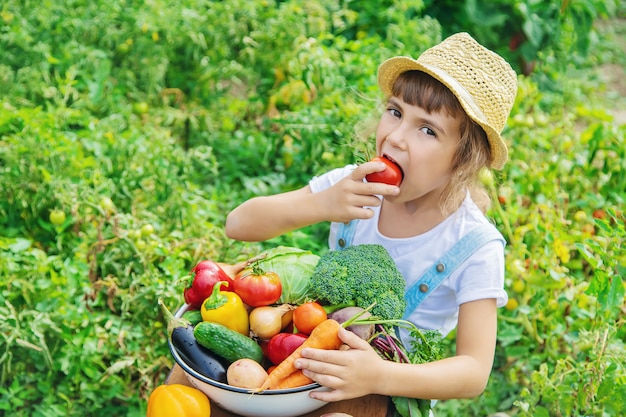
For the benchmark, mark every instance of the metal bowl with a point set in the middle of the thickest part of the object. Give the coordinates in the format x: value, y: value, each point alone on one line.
x: 244, y: 402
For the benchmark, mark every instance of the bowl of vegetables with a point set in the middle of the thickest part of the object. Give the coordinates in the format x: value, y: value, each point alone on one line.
x: 242, y: 326
x: 223, y: 336
x: 208, y: 373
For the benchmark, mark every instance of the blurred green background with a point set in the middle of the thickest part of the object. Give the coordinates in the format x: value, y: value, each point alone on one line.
x: 129, y: 129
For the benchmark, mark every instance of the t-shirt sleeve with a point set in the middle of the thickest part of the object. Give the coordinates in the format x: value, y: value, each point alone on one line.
x: 325, y: 181
x: 482, y: 276
x: 330, y: 178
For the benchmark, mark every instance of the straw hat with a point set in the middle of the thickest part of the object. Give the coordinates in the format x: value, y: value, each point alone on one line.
x: 483, y: 82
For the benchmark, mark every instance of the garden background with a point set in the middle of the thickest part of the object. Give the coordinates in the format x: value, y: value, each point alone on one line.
x: 129, y: 129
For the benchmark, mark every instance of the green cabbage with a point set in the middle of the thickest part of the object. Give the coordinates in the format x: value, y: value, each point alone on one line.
x: 294, y: 267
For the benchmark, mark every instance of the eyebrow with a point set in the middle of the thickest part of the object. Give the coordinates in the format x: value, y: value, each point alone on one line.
x: 398, y: 103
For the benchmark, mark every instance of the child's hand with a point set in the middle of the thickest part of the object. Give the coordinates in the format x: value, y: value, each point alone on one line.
x: 349, y: 198
x: 343, y: 370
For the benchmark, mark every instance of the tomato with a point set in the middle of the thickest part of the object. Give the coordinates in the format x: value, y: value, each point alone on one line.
x: 282, y: 345
x: 134, y: 234
x: 599, y: 214
x: 512, y: 304
x: 107, y: 204
x: 141, y: 107
x: 391, y: 175
x: 307, y: 316
x: 57, y: 217
x: 147, y: 230
x: 257, y: 287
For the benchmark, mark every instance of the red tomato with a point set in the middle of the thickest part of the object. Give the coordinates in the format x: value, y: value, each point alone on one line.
x: 283, y: 345
x: 257, y: 287
x: 391, y: 175
x: 599, y: 214
x: 307, y: 316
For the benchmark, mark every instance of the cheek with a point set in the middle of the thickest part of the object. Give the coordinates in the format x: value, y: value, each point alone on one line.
x: 380, y: 137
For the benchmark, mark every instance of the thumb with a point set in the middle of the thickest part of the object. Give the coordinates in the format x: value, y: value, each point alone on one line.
x: 351, y: 339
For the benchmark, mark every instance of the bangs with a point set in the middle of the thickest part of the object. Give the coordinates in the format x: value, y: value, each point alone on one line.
x: 420, y: 89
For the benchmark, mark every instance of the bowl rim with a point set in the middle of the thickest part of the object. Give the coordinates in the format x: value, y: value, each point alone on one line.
x: 179, y: 360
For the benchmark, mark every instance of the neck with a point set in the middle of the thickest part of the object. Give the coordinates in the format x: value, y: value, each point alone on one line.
x: 408, y: 219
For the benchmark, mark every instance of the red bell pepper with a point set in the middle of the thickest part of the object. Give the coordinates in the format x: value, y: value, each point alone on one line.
x: 205, y: 275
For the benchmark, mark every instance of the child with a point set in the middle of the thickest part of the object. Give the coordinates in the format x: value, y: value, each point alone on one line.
x: 444, y: 115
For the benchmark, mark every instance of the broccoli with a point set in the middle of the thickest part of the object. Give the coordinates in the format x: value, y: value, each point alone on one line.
x: 360, y: 275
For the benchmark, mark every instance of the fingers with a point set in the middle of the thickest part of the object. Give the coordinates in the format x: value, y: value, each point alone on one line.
x: 329, y: 396
x: 372, y: 188
x: 353, y: 198
x: 370, y: 168
x: 341, y: 371
x: 368, y: 193
x: 322, y: 366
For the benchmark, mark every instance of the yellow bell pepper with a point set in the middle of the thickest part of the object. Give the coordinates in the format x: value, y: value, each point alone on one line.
x: 227, y: 309
x: 178, y: 400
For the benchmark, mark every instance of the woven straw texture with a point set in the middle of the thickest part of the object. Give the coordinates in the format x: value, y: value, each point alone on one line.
x: 484, y: 83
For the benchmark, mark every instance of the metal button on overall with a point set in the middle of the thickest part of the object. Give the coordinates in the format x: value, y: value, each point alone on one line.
x: 423, y: 287
x: 441, y: 267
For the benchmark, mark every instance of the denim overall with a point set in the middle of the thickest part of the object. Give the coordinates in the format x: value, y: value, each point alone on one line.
x: 441, y: 269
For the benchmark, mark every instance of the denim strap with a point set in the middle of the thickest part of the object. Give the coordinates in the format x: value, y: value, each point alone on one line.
x: 345, y: 234
x: 448, y: 263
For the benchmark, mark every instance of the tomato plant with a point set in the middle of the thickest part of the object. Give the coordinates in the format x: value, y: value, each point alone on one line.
x: 307, y: 316
x: 391, y: 175
x: 257, y: 287
x: 282, y: 345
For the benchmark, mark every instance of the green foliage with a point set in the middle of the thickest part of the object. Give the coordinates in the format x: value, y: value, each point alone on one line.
x: 361, y: 274
x: 525, y: 30
x: 129, y: 129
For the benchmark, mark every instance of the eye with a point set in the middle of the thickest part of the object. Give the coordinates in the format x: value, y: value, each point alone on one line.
x: 394, y: 112
x: 428, y: 131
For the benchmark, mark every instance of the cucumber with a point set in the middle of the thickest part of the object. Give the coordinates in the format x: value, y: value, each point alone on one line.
x: 194, y: 316
x: 227, y: 343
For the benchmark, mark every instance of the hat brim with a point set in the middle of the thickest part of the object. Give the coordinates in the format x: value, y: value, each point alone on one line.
x: 390, y: 70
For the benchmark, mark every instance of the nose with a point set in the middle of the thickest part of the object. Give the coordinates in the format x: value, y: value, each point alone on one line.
x: 396, y: 136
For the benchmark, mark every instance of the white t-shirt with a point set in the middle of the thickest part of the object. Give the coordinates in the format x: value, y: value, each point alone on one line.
x: 479, y: 277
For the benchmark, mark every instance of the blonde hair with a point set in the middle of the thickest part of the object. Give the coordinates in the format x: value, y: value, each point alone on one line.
x: 472, y: 154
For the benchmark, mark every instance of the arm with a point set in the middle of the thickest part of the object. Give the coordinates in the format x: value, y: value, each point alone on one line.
x: 265, y: 217
x: 462, y: 376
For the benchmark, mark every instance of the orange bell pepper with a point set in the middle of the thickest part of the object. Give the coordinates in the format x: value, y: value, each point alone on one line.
x: 178, y: 400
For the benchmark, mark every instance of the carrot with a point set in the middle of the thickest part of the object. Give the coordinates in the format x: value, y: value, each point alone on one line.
x: 295, y: 379
x: 324, y: 336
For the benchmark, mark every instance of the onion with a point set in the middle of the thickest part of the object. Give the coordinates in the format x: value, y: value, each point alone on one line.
x: 266, y: 321
x: 234, y: 269
x: 286, y: 319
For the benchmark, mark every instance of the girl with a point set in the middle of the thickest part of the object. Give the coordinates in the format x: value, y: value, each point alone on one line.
x: 444, y: 115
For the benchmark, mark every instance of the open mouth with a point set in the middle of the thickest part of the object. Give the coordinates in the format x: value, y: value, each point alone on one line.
x: 393, y: 161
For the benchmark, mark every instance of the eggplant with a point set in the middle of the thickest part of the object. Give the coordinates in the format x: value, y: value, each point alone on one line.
x: 199, y: 358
